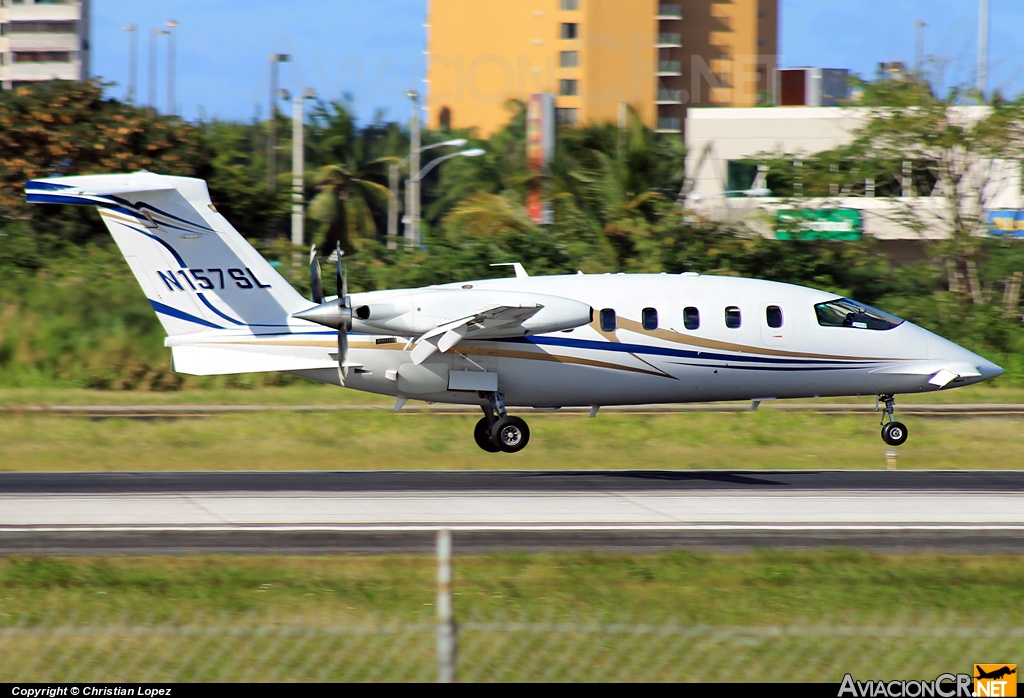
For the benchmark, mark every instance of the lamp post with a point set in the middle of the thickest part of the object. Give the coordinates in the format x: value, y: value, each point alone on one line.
x: 983, y: 35
x: 133, y: 60
x: 152, y: 67
x: 298, y: 165
x: 413, y: 234
x: 275, y: 58
x: 171, y: 24
x: 393, y: 174
x: 414, y: 198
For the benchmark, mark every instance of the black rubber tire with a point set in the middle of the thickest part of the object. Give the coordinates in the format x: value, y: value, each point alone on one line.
x: 482, y: 436
x: 510, y: 434
x: 895, y: 433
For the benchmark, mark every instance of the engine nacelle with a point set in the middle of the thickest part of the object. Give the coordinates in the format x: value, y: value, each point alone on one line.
x: 412, y: 313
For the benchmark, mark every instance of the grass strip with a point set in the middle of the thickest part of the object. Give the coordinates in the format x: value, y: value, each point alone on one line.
x: 770, y: 615
x: 381, y: 440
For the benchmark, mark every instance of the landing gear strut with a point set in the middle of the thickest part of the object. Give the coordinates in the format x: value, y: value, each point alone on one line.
x: 893, y: 433
x: 499, y: 431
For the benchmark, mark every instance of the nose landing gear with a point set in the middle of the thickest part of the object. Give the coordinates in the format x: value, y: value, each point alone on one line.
x: 893, y: 433
x: 497, y: 430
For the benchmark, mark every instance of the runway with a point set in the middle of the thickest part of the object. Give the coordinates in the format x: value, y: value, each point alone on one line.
x: 372, y: 512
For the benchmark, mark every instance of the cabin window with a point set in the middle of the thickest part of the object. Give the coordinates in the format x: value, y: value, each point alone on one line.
x: 843, y: 312
x: 691, y: 318
x: 650, y: 319
x: 607, y: 320
x: 732, y: 317
x: 774, y: 316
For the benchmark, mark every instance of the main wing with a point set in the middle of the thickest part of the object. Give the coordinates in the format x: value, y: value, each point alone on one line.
x: 499, y: 321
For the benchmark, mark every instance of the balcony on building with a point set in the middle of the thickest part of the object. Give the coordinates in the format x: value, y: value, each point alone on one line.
x: 669, y: 40
x: 668, y: 10
x: 668, y: 96
x: 669, y: 124
x: 669, y: 67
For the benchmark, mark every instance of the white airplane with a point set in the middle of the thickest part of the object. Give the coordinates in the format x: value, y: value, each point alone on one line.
x: 541, y: 342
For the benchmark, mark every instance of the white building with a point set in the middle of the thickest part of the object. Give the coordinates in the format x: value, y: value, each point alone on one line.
x: 718, y: 140
x: 43, y: 40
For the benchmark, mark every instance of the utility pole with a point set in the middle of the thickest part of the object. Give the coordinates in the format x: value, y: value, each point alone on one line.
x: 919, y: 48
x: 152, y: 67
x: 171, y: 24
x: 133, y: 60
x: 275, y: 58
x: 983, y: 30
x: 393, y: 206
x: 298, y: 167
x: 413, y: 235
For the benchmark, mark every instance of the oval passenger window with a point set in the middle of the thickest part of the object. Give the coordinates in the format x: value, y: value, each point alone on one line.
x: 732, y: 317
x: 607, y: 320
x: 774, y: 316
x: 650, y: 319
x: 691, y: 318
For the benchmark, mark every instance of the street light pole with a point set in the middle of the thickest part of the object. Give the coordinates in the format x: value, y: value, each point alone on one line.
x: 171, y: 24
x: 152, y: 67
x: 298, y: 167
x: 133, y: 60
x: 393, y: 206
x: 275, y: 58
x: 413, y: 234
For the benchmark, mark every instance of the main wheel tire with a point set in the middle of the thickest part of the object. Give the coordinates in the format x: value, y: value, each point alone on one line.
x: 510, y: 434
x: 482, y: 436
x: 895, y: 433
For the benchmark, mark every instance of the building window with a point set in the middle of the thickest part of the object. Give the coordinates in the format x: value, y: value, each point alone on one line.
x: 567, y: 117
x: 570, y: 5
x: 570, y: 30
x: 732, y: 317
x: 691, y: 318
x: 650, y: 318
x: 773, y: 314
x: 607, y: 320
x: 41, y: 57
x: 568, y: 88
x: 44, y: 27
x: 570, y: 59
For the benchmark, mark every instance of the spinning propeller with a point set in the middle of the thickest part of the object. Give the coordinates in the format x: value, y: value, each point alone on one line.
x: 336, y: 313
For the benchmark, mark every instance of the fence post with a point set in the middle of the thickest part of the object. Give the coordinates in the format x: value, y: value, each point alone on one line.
x: 445, y: 615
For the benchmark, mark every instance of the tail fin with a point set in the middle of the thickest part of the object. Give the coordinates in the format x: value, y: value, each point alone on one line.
x: 194, y: 267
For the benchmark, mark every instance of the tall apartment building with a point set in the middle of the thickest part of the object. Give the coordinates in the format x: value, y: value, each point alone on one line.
x: 658, y: 56
x: 43, y: 40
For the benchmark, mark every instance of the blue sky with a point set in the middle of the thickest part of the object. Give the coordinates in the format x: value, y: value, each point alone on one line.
x: 374, y: 50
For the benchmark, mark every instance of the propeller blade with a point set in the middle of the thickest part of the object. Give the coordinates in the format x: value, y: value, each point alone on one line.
x: 316, y: 283
x: 342, y: 347
x: 340, y: 271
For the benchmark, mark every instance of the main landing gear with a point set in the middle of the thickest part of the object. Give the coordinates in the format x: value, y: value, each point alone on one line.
x: 497, y: 430
x: 893, y: 433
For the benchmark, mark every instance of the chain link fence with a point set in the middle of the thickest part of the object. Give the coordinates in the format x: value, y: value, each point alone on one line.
x: 229, y: 649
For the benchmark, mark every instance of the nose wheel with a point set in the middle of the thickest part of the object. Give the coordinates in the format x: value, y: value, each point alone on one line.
x: 498, y: 431
x: 893, y: 433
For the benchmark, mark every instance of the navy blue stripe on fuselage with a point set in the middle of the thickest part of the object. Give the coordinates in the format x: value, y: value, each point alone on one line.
x: 594, y: 345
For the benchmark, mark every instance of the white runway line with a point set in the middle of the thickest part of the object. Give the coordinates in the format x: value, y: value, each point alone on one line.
x: 529, y: 510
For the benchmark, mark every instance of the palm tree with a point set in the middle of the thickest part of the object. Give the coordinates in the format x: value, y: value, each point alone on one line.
x: 344, y: 205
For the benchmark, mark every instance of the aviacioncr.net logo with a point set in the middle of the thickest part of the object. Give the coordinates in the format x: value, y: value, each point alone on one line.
x: 943, y: 686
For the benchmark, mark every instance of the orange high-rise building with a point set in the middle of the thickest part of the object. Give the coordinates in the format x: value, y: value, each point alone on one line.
x: 658, y: 57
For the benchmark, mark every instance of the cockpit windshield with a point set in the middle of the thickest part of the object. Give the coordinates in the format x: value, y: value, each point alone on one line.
x: 843, y: 312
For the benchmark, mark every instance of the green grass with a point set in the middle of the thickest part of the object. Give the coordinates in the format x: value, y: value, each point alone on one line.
x: 575, y: 616
x: 382, y: 440
x: 757, y: 589
x: 306, y: 393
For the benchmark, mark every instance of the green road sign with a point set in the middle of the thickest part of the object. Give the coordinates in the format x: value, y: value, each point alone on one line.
x: 819, y: 224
